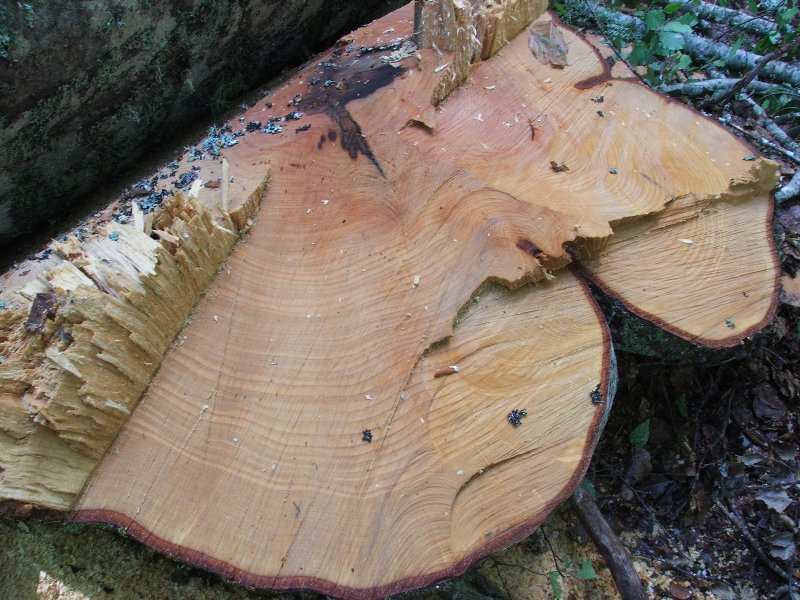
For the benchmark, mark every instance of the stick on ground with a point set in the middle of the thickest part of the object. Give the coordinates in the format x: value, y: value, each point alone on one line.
x: 619, y: 561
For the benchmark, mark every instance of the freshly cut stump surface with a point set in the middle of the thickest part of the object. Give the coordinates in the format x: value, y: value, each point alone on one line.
x: 396, y: 370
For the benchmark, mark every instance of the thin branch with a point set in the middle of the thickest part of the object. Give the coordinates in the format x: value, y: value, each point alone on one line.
x: 781, y: 483
x: 619, y: 561
x: 774, y: 130
x: 682, y: 570
x: 699, y: 88
x: 762, y: 140
x: 556, y: 558
x: 790, y: 190
x: 725, y: 97
x: 728, y: 16
x: 735, y: 518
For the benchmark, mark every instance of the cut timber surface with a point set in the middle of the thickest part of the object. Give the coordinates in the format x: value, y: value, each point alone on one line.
x: 339, y: 409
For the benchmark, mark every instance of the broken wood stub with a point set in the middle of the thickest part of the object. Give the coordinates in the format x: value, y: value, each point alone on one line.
x: 104, y: 311
x: 472, y: 30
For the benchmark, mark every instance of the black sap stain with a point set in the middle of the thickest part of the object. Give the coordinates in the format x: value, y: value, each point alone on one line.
x: 349, y: 75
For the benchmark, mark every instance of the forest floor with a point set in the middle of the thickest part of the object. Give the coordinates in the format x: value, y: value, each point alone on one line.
x: 697, y: 471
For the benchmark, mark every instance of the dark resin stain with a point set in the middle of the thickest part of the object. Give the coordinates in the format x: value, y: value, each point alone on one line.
x: 592, y: 81
x: 349, y: 80
x: 41, y: 310
x: 529, y: 247
x: 352, y: 139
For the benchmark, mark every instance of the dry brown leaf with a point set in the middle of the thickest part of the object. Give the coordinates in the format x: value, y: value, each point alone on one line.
x: 548, y: 45
x: 679, y: 592
x: 790, y: 290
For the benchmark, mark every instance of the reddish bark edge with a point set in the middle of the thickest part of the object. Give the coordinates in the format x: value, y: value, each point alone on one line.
x: 581, y: 271
x: 323, y: 586
x: 728, y: 342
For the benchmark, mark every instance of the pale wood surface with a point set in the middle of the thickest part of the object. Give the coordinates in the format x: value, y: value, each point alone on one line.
x: 362, y: 279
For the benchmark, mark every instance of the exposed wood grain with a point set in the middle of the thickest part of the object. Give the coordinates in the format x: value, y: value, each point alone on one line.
x: 334, y: 414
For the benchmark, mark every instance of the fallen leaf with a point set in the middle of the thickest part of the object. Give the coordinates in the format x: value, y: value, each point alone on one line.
x: 790, y: 290
x: 679, y: 592
x: 750, y: 459
x: 586, y: 570
x: 723, y: 591
x: 781, y: 545
x: 548, y: 45
x: 41, y: 309
x: 767, y: 404
x: 785, y: 451
x: 212, y: 184
x: 640, y: 467
x: 777, y: 500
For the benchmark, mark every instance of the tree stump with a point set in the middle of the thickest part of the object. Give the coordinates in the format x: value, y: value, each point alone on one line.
x: 391, y: 364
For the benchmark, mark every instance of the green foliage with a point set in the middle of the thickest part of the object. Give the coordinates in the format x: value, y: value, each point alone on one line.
x: 659, y: 44
x: 586, y: 570
x: 555, y: 584
x: 590, y: 487
x: 660, y: 48
x: 680, y: 405
x: 780, y: 99
x: 5, y: 45
x: 640, y: 434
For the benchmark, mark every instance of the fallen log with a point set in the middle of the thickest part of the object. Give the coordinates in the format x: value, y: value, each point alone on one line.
x: 357, y: 352
x: 88, y: 90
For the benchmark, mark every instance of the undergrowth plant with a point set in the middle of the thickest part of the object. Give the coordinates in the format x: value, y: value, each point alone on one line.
x: 657, y: 47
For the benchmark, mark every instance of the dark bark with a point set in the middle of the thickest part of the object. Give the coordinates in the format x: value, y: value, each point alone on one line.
x: 87, y: 89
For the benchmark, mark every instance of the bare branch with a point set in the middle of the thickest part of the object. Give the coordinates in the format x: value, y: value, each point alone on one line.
x: 773, y: 128
x: 728, y: 16
x: 790, y: 190
x: 697, y: 46
x: 616, y: 555
x: 698, y: 88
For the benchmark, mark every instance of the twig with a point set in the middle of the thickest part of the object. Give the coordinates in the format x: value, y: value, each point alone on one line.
x: 762, y: 140
x: 698, y: 88
x: 780, y: 483
x: 748, y: 78
x: 774, y: 130
x: 682, y: 570
x: 553, y: 552
x: 728, y: 16
x: 695, y: 45
x: 790, y: 190
x: 616, y: 555
x: 735, y: 518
